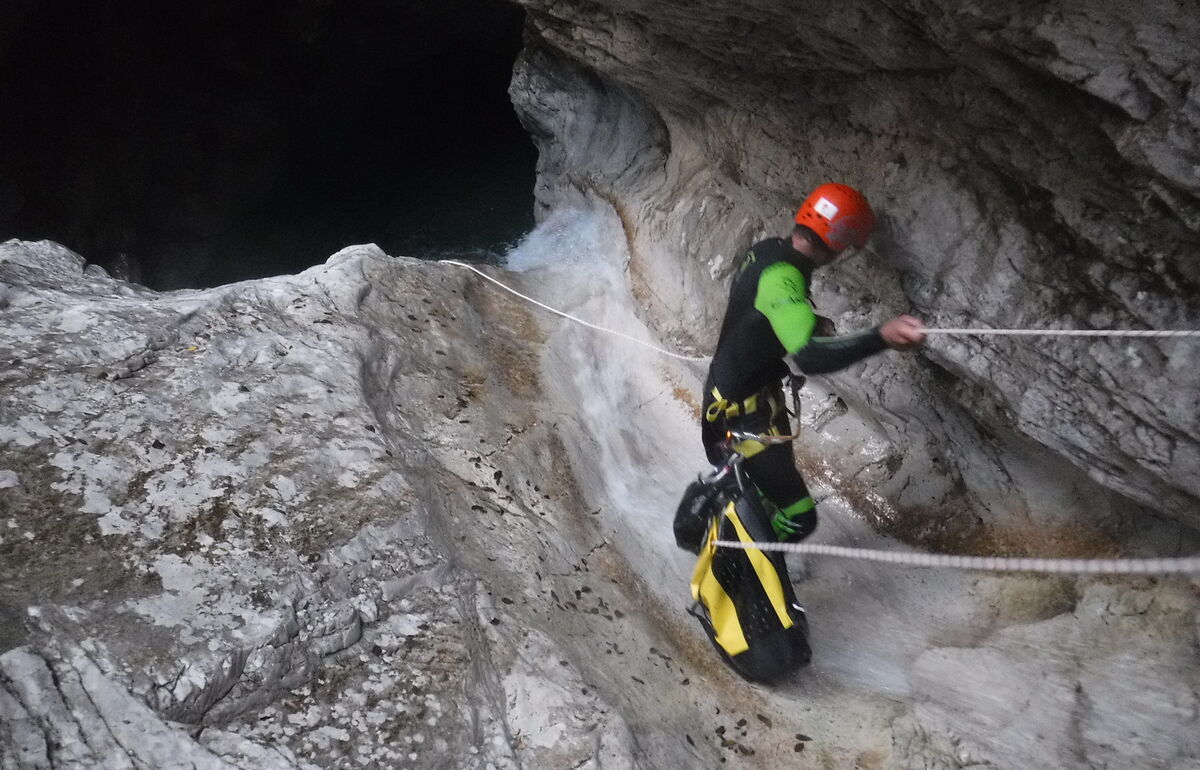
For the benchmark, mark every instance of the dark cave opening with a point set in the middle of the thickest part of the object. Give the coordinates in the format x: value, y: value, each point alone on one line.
x: 184, y: 144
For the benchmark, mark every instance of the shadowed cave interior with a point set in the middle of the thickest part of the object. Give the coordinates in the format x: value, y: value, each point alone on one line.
x: 188, y: 145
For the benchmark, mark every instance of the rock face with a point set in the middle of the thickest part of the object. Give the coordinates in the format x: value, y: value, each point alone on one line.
x: 253, y: 510
x: 377, y: 514
x: 371, y: 515
x: 1034, y: 166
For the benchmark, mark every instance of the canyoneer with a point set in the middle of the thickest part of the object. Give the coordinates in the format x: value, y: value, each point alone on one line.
x: 769, y: 333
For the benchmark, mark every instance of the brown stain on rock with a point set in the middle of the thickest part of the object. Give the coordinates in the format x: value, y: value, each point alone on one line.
x: 942, y: 531
x: 512, y: 339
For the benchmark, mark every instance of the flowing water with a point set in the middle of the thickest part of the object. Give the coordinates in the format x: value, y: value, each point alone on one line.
x: 963, y: 651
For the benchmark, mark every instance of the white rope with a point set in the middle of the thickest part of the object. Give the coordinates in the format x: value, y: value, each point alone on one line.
x: 1071, y: 332
x: 989, y: 563
x: 1155, y: 566
x: 568, y: 316
x: 926, y: 330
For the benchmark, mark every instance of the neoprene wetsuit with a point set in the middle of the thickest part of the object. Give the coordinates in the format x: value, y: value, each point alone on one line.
x: 768, y: 321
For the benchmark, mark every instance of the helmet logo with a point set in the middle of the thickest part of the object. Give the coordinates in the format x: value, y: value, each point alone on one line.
x: 838, y: 214
x: 826, y: 208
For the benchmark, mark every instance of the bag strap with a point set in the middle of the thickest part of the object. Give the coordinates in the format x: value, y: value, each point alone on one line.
x: 796, y: 382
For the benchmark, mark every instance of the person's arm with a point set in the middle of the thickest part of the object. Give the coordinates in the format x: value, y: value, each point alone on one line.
x: 823, y: 355
x: 782, y: 297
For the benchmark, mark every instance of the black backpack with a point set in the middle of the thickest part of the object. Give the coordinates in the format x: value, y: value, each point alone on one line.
x: 744, y: 598
x: 701, y: 503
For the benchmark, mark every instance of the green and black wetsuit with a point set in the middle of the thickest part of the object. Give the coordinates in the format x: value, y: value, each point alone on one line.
x: 767, y: 321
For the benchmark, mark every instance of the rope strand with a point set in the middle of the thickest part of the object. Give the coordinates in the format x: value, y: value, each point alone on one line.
x: 1070, y: 332
x: 927, y: 330
x: 568, y: 316
x: 1155, y: 566
x: 944, y: 561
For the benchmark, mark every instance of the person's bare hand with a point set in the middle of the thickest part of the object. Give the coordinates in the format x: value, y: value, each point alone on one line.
x: 903, y: 332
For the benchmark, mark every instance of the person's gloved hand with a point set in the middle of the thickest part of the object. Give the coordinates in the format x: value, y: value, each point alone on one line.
x: 787, y: 529
x: 796, y: 527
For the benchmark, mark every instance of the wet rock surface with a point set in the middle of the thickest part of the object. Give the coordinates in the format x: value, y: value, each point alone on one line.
x: 378, y: 515
x: 228, y: 526
x: 982, y: 694
x: 1033, y: 167
x: 337, y: 520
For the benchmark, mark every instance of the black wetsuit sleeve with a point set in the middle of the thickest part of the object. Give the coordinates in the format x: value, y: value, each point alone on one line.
x: 823, y: 355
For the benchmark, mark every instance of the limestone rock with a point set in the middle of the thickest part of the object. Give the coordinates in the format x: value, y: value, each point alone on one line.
x: 251, y: 527
x: 1041, y: 707
x: 1033, y: 168
x: 377, y: 514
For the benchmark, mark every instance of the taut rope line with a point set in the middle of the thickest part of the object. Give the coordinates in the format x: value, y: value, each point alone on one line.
x: 1154, y: 566
x: 944, y: 561
x: 568, y: 316
x: 926, y: 330
x: 1071, y: 332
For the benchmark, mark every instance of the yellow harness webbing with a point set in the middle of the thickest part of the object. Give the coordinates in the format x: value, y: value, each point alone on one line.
x: 724, y: 407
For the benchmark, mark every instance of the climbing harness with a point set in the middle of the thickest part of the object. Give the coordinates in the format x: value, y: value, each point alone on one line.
x: 1151, y: 566
x: 723, y: 406
x: 750, y: 444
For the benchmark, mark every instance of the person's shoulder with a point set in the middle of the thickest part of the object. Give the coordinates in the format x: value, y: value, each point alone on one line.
x: 765, y: 252
x: 763, y: 257
x: 767, y: 246
x: 782, y: 270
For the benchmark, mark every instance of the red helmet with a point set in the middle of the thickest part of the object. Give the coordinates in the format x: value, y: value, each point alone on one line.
x: 840, y: 215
